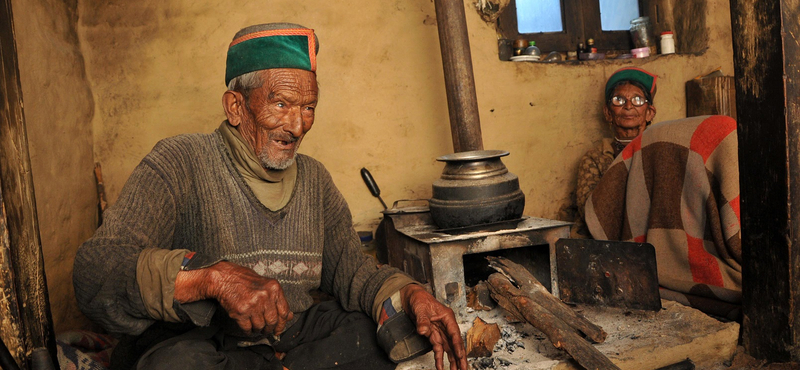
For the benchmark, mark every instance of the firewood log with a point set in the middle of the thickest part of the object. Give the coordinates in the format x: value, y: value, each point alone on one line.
x: 531, y: 287
x: 560, y: 334
x: 481, y: 338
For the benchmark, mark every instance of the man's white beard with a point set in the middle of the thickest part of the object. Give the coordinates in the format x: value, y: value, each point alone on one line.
x: 274, y: 164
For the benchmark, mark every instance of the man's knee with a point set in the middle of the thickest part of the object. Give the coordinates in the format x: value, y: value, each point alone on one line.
x: 188, y: 354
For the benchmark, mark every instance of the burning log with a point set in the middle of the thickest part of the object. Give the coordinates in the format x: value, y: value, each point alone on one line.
x: 515, y: 289
x: 481, y: 338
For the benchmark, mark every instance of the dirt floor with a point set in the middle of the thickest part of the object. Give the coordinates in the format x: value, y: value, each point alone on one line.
x: 636, y: 340
x: 742, y: 361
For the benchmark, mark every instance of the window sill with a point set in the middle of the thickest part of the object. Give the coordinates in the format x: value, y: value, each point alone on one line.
x: 596, y: 61
x: 505, y: 55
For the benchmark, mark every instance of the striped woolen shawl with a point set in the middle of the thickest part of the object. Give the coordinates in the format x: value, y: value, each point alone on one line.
x: 676, y: 186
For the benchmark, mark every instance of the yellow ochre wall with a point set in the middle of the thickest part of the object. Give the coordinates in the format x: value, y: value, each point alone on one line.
x: 145, y: 70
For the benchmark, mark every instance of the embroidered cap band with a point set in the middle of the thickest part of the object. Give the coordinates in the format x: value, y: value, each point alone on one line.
x: 647, y: 79
x: 277, y: 48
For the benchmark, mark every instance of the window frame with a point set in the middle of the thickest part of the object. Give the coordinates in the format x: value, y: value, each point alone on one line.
x: 581, y: 21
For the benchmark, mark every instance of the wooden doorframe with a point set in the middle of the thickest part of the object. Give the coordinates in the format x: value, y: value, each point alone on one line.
x: 767, y: 73
x: 28, y: 290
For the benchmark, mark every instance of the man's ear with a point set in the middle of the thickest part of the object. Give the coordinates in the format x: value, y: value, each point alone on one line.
x: 233, y: 104
x: 607, y: 113
x: 651, y: 113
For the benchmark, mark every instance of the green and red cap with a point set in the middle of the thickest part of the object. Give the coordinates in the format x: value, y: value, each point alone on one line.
x: 647, y: 79
x: 274, y: 45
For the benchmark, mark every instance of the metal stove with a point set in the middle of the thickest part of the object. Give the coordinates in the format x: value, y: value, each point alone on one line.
x: 435, y: 256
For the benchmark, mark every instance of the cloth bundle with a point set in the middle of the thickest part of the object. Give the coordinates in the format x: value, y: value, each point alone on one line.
x: 676, y: 186
x: 84, y: 350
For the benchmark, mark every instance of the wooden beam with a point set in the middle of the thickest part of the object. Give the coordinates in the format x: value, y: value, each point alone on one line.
x: 462, y: 101
x: 18, y: 199
x: 10, y: 330
x: 790, y: 13
x: 766, y: 69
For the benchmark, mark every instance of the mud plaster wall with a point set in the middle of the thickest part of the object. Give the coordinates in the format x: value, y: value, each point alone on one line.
x: 155, y: 69
x: 58, y: 111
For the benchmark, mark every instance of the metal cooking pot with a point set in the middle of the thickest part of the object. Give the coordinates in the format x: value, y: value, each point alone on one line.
x: 475, y: 188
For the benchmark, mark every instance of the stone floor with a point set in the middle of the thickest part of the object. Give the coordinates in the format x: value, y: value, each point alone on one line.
x: 637, y: 340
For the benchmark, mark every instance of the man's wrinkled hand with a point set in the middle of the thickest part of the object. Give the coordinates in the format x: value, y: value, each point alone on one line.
x: 438, y: 323
x: 256, y: 303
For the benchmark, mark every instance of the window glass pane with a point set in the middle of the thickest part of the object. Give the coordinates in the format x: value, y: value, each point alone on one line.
x: 539, y: 16
x: 616, y: 15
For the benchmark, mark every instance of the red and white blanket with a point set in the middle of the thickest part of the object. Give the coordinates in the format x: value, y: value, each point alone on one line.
x: 676, y: 186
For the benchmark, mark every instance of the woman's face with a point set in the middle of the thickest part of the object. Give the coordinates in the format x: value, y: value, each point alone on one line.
x: 628, y: 120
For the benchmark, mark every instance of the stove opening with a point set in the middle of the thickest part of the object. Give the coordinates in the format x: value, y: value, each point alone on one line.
x: 535, y: 258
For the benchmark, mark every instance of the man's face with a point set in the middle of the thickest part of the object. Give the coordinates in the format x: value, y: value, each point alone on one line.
x: 278, y: 115
x: 628, y: 120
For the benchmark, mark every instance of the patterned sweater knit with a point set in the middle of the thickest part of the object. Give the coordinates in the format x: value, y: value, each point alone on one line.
x: 187, y: 194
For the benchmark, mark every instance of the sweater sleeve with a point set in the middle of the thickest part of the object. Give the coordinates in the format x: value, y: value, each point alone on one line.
x: 349, y: 275
x: 389, y: 287
x: 588, y: 177
x: 105, y: 267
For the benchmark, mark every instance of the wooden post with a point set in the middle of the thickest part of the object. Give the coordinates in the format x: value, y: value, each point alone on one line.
x: 462, y: 101
x: 25, y: 247
x: 10, y: 330
x: 767, y: 74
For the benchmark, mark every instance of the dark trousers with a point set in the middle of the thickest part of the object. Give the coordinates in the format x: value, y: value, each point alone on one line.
x: 324, y: 337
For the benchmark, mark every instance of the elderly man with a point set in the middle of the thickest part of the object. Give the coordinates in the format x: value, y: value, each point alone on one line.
x: 209, y: 257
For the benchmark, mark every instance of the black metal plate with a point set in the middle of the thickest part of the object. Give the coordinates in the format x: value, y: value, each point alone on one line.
x: 609, y: 273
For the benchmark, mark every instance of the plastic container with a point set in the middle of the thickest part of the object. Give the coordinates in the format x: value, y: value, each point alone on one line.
x: 667, y: 43
x: 591, y: 56
x: 532, y: 50
x: 572, y: 55
x: 641, y: 52
x: 642, y: 32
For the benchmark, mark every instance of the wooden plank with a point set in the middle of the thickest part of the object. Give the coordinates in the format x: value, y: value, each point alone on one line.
x: 769, y: 163
x: 790, y: 12
x: 10, y: 324
x: 462, y: 100
x: 18, y: 199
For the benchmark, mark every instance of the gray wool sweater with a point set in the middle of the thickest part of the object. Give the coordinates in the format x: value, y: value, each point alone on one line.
x: 187, y: 194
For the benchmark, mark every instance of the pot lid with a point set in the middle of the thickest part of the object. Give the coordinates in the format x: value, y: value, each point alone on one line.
x: 473, y: 155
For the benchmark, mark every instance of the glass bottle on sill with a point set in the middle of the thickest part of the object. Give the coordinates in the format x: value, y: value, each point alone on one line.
x: 533, y: 50
x: 590, y: 46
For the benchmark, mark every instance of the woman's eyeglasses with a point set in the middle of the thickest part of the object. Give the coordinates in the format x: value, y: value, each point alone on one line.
x: 619, y: 101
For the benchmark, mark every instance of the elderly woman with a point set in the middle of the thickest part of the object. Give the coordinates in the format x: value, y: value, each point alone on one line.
x: 682, y: 177
x: 629, y: 110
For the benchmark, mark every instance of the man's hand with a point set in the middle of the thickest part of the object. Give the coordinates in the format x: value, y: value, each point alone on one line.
x: 256, y: 303
x: 437, y: 322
